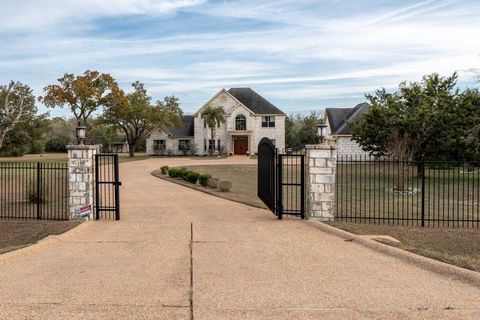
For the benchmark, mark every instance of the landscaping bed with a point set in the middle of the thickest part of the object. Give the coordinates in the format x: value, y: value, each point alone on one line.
x: 457, y: 246
x: 242, y: 177
x: 19, y: 234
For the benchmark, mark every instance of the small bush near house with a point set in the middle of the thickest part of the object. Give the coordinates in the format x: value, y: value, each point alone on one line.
x: 164, y: 169
x: 225, y: 185
x: 213, y: 183
x: 203, y: 179
x: 192, y: 177
x: 173, y: 173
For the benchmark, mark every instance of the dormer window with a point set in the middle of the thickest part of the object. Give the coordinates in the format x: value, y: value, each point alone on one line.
x: 240, y: 122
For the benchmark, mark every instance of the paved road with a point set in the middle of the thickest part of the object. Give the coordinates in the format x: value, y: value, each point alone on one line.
x: 246, y: 265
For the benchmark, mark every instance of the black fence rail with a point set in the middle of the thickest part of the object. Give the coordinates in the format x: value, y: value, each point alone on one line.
x: 34, y: 190
x: 426, y: 193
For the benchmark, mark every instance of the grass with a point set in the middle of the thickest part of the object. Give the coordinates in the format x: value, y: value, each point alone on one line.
x: 243, y: 178
x: 19, y: 234
x: 456, y: 246
x: 366, y: 191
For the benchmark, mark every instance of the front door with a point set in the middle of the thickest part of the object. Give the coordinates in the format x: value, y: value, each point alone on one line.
x: 240, y: 145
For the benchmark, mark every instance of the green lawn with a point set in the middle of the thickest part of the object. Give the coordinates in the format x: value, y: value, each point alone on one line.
x: 367, y: 191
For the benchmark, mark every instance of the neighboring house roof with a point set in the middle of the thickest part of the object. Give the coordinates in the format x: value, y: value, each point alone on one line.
x: 254, y: 101
x: 339, y: 118
x: 186, y: 130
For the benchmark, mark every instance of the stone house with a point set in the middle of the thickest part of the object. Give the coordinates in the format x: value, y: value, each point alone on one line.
x: 249, y: 118
x: 337, y: 121
x: 172, y: 141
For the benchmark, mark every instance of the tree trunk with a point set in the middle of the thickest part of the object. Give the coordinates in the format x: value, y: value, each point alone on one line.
x: 131, y: 151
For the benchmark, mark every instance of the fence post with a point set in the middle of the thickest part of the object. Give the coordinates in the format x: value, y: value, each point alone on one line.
x: 39, y: 190
x: 422, y: 165
x: 321, y: 171
x: 80, y: 180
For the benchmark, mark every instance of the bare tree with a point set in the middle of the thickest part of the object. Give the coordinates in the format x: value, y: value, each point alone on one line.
x: 399, y: 146
x: 17, y: 104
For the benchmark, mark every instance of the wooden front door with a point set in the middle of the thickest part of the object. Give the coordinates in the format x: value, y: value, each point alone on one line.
x: 240, y: 145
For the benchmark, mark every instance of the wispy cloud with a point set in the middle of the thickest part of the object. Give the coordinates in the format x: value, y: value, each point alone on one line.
x: 301, y: 54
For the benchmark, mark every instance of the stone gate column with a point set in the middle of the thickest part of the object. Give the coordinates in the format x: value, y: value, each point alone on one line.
x: 81, y: 180
x: 321, y: 170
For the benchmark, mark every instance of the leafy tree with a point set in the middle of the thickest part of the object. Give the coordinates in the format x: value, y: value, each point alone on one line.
x: 431, y: 117
x: 83, y: 94
x: 301, y: 130
x: 61, y: 133
x: 28, y: 137
x: 213, y: 117
x: 103, y: 133
x: 137, y: 117
x: 17, y: 105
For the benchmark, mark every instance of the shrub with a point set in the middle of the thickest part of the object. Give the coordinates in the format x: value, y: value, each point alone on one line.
x: 203, y: 179
x: 182, y: 173
x: 225, y: 185
x: 164, y: 169
x: 213, y: 183
x: 192, y: 177
x: 173, y: 172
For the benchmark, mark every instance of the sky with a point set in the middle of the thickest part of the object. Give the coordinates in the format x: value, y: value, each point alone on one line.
x: 301, y: 55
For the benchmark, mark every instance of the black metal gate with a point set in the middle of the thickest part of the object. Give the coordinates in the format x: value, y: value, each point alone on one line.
x: 281, y: 180
x: 107, y: 187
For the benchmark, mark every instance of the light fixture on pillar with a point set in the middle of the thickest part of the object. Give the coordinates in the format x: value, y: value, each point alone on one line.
x: 81, y: 131
x: 321, y: 131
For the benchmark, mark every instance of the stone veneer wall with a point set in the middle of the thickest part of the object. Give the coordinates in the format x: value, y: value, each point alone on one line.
x: 321, y: 170
x: 81, y: 179
x: 347, y: 147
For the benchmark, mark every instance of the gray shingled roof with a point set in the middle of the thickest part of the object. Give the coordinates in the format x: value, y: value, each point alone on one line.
x: 186, y: 130
x: 339, y: 118
x: 254, y: 101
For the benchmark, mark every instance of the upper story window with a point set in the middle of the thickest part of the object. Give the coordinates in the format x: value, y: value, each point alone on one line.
x: 268, y: 122
x: 240, y: 122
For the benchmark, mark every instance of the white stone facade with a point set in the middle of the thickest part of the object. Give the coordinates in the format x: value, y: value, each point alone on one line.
x: 171, y: 143
x: 348, y: 147
x: 81, y: 180
x: 321, y: 170
x: 226, y: 132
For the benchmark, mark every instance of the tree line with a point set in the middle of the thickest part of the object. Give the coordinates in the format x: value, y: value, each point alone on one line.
x: 95, y: 100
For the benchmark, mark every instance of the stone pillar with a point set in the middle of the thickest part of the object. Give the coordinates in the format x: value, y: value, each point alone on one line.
x: 321, y: 170
x: 81, y: 180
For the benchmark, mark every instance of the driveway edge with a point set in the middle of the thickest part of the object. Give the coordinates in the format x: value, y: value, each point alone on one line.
x: 43, y: 243
x: 469, y: 276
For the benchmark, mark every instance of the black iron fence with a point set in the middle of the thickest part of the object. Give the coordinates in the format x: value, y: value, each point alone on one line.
x: 34, y: 190
x: 107, y: 186
x: 281, y: 180
x: 426, y: 193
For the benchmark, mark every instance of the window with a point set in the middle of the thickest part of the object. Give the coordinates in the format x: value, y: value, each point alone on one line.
x: 183, y: 145
x: 218, y: 145
x: 204, y: 144
x: 211, y: 144
x: 159, y: 145
x: 204, y: 124
x: 240, y: 122
x: 268, y: 122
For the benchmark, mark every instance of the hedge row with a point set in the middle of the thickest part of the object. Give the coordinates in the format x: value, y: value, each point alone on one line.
x: 205, y: 180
